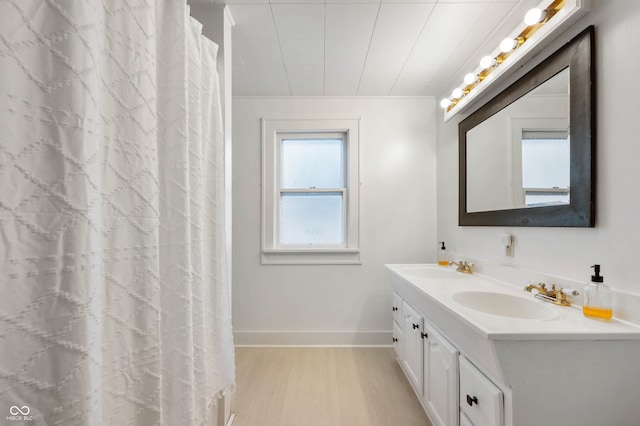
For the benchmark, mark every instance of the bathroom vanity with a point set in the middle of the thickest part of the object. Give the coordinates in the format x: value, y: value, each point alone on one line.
x: 478, y: 351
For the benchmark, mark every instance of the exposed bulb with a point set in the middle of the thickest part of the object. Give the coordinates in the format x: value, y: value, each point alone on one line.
x: 508, y: 44
x: 445, y: 103
x: 535, y: 16
x: 470, y: 78
x: 487, y: 62
x: 457, y: 93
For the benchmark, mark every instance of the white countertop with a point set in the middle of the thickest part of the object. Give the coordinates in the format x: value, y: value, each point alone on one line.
x: 442, y: 284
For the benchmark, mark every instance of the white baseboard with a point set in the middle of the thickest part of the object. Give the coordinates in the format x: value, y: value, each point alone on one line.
x: 313, y: 338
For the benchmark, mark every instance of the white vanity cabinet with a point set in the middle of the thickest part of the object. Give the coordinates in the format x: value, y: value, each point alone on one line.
x: 451, y: 389
x: 485, y: 364
x: 430, y: 363
x: 440, y: 379
x: 412, y: 350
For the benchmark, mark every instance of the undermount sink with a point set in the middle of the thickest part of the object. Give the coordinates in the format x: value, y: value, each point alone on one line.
x: 439, y: 273
x: 504, y: 305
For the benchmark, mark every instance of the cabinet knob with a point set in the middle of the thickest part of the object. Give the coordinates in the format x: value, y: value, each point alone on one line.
x: 472, y: 400
x: 395, y: 308
x: 395, y: 340
x: 424, y: 335
x: 416, y: 326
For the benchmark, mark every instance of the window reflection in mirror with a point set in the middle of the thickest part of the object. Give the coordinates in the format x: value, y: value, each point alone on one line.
x: 545, y: 167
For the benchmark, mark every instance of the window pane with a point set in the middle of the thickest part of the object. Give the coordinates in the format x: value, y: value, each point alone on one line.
x: 311, y: 218
x: 312, y: 163
x: 545, y: 163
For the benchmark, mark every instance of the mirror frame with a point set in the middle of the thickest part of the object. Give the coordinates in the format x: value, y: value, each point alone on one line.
x: 578, y: 55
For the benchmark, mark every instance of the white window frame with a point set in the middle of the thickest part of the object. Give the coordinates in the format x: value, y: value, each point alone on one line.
x: 272, y: 252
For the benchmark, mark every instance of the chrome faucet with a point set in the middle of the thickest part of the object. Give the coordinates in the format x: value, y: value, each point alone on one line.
x: 462, y: 266
x: 555, y: 295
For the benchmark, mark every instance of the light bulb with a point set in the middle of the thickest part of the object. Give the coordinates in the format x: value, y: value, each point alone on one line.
x: 445, y: 103
x: 457, y: 93
x: 487, y: 62
x: 508, y: 44
x: 470, y: 78
x: 535, y: 16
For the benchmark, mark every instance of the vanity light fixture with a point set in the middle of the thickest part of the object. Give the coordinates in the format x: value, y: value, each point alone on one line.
x: 535, y: 16
x: 508, y: 44
x: 488, y: 62
x: 445, y: 103
x: 550, y: 16
x: 470, y: 78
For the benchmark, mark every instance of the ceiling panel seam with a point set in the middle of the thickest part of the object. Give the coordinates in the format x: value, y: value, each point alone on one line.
x: 373, y: 31
x: 415, y: 42
x: 324, y: 53
x: 284, y: 64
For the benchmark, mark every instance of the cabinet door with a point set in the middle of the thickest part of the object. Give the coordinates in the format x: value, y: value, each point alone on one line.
x: 480, y: 399
x: 440, y: 379
x: 464, y: 420
x: 397, y: 340
x: 412, y: 347
x: 397, y: 308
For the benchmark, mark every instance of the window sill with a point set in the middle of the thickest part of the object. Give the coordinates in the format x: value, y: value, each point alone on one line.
x: 311, y: 256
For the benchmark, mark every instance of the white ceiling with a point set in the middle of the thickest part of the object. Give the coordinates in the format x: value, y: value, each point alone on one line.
x: 363, y: 47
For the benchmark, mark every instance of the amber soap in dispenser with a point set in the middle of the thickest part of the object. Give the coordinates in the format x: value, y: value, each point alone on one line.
x: 597, y: 298
x: 443, y: 259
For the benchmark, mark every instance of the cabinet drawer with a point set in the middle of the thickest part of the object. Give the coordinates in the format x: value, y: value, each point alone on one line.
x: 480, y: 399
x: 397, y: 309
x: 397, y: 340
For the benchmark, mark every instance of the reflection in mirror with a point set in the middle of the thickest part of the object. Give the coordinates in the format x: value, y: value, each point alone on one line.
x: 519, y: 157
x: 527, y: 155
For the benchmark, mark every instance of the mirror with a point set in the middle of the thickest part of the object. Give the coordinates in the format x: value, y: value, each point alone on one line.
x: 526, y: 157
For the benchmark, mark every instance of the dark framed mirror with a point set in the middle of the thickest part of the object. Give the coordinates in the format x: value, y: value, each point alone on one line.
x: 527, y: 157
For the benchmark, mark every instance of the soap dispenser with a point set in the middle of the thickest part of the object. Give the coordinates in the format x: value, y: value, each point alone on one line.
x: 597, y: 298
x: 443, y: 258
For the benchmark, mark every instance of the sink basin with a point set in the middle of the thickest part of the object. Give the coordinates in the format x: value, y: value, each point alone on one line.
x: 440, y: 273
x: 504, y: 305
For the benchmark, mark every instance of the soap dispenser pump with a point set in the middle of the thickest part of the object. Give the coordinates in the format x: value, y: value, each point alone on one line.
x: 597, y: 297
x: 443, y: 259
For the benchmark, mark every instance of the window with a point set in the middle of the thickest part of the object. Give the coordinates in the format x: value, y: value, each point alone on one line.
x: 310, y: 191
x: 540, y: 166
x: 545, y: 167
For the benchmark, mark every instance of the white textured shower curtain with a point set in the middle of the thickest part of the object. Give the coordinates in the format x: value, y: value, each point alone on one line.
x: 115, y: 299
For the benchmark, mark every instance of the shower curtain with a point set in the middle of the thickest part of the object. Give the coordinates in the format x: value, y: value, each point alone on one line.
x: 115, y: 297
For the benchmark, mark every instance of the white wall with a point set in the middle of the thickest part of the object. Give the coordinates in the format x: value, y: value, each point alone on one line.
x: 615, y: 241
x: 336, y: 304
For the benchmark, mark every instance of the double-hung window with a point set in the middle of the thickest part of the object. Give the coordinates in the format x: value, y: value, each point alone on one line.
x: 310, y: 191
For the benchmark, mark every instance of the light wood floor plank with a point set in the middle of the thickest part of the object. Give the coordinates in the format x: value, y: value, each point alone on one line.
x: 323, y: 387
